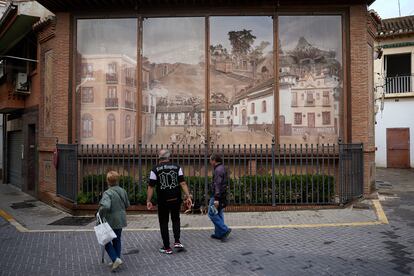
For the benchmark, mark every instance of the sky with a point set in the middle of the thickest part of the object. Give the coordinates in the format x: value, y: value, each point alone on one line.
x: 389, y: 8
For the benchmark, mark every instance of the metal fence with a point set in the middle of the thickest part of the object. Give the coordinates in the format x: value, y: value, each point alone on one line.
x: 258, y: 174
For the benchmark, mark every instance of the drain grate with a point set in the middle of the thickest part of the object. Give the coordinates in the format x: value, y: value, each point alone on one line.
x: 131, y: 251
x: 73, y: 221
x: 22, y: 205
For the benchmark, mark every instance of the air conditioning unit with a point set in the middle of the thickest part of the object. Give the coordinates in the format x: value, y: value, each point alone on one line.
x: 22, y: 83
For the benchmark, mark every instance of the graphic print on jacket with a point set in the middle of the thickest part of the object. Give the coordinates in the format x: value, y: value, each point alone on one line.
x: 166, y: 178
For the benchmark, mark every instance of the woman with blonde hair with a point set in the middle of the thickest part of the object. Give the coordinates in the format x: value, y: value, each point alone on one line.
x: 112, y: 207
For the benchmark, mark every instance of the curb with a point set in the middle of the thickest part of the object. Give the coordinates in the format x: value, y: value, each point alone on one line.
x: 381, y: 220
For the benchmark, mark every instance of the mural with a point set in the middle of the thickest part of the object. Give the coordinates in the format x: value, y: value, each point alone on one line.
x: 173, y: 81
x: 106, y: 81
x: 241, y: 103
x: 310, y: 79
x: 241, y: 80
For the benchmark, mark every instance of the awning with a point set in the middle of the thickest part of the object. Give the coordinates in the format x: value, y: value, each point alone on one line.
x: 17, y: 22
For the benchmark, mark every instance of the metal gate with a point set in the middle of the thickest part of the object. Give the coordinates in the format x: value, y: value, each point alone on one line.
x: 351, y: 171
x: 14, y: 157
x: 67, y: 171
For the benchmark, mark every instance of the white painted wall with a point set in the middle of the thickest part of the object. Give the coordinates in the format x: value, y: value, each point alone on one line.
x: 395, y: 115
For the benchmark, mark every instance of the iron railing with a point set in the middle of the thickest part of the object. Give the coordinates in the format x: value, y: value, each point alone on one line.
x: 400, y: 84
x: 258, y: 174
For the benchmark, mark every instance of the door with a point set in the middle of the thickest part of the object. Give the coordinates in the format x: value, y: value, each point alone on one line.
x: 311, y: 120
x: 398, y: 147
x: 31, y: 159
x: 244, y: 117
x: 14, y: 157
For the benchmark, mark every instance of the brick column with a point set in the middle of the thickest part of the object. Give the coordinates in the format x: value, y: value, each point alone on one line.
x: 362, y: 105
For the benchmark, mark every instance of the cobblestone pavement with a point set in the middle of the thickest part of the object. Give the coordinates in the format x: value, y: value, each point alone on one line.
x: 363, y: 250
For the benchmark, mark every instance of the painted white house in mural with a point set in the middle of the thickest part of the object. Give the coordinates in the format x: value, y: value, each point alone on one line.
x: 394, y: 92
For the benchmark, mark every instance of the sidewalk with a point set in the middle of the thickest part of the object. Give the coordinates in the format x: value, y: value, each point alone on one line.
x: 36, y: 216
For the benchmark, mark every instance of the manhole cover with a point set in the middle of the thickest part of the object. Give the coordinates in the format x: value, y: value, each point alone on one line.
x: 73, y: 221
x: 22, y: 205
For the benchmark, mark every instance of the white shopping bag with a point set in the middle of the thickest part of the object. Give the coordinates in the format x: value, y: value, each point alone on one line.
x: 103, y: 231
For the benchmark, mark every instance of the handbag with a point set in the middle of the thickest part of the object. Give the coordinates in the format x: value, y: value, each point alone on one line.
x: 103, y: 231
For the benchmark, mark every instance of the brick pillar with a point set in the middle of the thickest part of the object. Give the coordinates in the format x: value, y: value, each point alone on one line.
x: 362, y: 104
x: 54, y: 64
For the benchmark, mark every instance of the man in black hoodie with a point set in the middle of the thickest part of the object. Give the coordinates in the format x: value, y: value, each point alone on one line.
x: 218, y: 199
x: 167, y: 179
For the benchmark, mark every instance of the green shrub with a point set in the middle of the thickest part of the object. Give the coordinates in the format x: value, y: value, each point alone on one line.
x: 255, y: 189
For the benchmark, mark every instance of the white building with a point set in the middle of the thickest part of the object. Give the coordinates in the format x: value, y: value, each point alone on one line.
x: 312, y: 105
x: 394, y: 92
x: 254, y: 107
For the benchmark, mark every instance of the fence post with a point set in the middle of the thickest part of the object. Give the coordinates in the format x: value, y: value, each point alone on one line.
x: 273, y: 173
x: 206, y: 147
x: 139, y: 166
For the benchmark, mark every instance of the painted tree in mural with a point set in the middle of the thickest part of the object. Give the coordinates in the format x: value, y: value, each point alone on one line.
x: 241, y: 41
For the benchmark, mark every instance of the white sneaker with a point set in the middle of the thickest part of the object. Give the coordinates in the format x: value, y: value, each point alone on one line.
x: 116, y: 264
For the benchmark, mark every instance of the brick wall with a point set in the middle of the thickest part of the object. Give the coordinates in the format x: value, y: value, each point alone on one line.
x: 56, y: 37
x: 362, y: 105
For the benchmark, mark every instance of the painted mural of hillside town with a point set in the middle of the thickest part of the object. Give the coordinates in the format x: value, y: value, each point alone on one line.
x: 241, y: 104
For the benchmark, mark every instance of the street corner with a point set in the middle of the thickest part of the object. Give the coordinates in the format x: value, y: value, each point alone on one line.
x: 10, y: 219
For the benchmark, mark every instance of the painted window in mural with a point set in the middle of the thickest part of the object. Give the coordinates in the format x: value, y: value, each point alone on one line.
x: 310, y: 79
x: 173, y: 81
x: 106, y: 69
x: 241, y: 79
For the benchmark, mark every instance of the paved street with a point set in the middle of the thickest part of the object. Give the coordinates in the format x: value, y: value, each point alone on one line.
x: 350, y: 250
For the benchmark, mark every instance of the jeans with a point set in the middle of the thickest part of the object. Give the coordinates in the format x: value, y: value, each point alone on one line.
x: 164, y: 210
x: 220, y: 229
x: 114, y: 248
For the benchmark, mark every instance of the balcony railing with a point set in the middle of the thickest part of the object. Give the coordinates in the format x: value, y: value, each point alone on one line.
x: 111, y: 78
x: 403, y: 84
x: 111, y: 102
x: 131, y: 81
x: 129, y: 105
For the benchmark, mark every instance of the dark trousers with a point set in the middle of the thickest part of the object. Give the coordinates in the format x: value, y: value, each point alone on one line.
x: 113, y: 248
x: 164, y: 211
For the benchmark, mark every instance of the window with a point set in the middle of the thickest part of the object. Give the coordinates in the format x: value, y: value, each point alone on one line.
x: 264, y: 109
x: 111, y: 75
x: 173, y: 48
x: 311, y: 47
x: 105, y: 48
x: 112, y: 92
x: 130, y: 77
x: 214, y: 114
x: 87, y: 125
x: 294, y: 99
x: 112, y: 69
x: 128, y: 126
x: 252, y: 108
x: 298, y: 118
x: 87, y: 70
x: 398, y: 73
x: 221, y: 114
x: 309, y: 97
x: 325, y: 98
x: 235, y: 111
x: 111, y: 128
x: 326, y: 118
x: 87, y: 94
